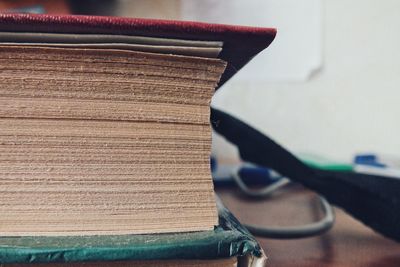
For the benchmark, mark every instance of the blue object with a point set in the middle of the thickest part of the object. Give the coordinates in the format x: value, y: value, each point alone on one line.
x: 368, y: 159
x: 35, y: 9
x: 250, y: 174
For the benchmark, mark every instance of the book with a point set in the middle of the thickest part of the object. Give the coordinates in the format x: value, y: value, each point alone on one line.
x: 229, y: 244
x: 104, y: 124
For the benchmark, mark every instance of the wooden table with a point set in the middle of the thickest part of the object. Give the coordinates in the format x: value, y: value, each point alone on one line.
x: 349, y: 243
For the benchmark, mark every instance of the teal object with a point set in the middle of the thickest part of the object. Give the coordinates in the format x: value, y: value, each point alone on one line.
x: 322, y: 163
x: 228, y: 239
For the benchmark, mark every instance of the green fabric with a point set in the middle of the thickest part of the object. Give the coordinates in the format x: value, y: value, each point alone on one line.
x: 318, y: 162
x: 227, y: 240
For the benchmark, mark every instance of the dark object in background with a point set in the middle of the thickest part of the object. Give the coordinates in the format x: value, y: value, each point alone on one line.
x: 374, y: 200
x: 93, y: 7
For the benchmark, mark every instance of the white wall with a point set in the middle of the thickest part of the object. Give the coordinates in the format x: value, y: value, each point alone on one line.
x: 351, y: 105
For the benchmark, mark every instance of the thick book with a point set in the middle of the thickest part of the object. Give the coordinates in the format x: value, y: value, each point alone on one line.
x: 104, y: 124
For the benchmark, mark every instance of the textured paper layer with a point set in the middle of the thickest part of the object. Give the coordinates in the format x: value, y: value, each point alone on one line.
x: 96, y: 141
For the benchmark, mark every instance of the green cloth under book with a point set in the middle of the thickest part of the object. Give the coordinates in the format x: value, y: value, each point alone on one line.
x: 229, y: 239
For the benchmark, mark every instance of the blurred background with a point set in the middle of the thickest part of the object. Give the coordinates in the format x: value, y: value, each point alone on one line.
x: 328, y: 85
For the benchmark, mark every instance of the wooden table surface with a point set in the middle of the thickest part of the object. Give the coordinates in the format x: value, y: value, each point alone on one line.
x: 349, y: 243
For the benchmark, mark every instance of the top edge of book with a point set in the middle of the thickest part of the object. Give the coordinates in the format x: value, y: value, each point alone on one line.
x: 207, y: 49
x: 240, y: 43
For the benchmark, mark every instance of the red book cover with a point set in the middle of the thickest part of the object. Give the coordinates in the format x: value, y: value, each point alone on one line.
x: 240, y: 43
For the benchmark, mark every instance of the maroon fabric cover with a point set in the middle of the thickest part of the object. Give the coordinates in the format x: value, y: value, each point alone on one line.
x: 240, y: 43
